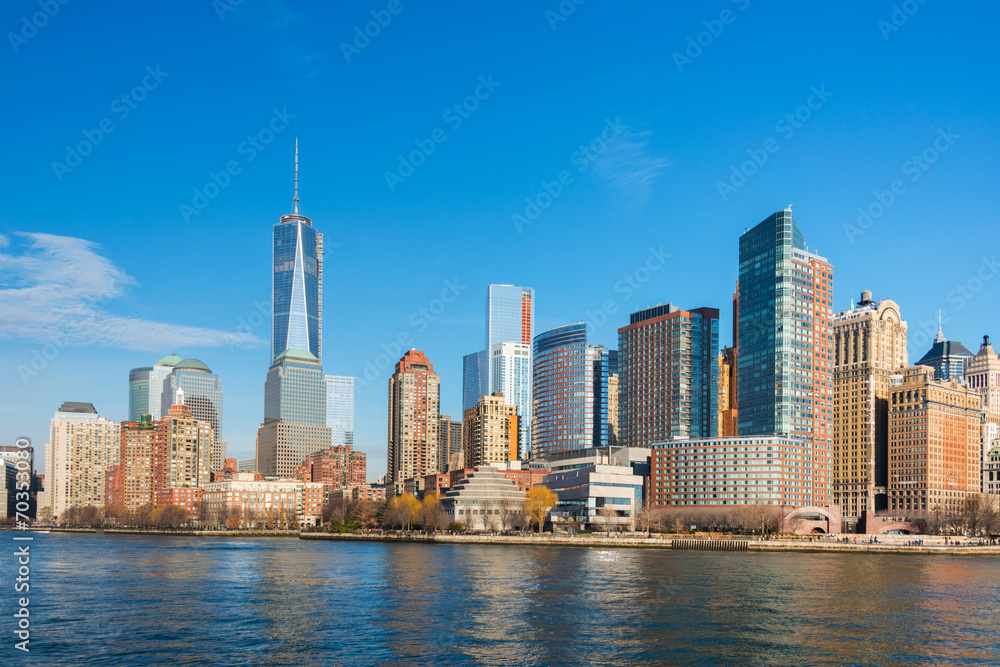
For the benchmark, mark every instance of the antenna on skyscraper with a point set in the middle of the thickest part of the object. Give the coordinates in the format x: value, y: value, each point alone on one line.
x: 295, y: 200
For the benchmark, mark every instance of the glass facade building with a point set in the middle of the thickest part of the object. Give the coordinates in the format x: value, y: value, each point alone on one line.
x: 785, y: 345
x: 145, y: 388
x: 297, y: 287
x: 475, y: 378
x: 511, y: 375
x: 569, y: 394
x: 340, y: 409
x: 510, y: 314
x: 295, y: 391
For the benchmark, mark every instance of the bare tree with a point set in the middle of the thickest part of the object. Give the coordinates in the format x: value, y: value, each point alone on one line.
x: 607, y: 518
x: 468, y: 521
x: 505, y: 514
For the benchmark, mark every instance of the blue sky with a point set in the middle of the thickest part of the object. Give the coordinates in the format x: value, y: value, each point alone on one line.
x: 713, y: 116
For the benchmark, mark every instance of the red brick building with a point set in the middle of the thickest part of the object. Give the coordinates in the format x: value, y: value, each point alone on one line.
x: 526, y: 479
x: 437, y: 483
x: 182, y: 497
x: 338, y: 467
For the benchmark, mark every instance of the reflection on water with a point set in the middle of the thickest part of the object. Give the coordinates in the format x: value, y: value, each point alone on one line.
x: 148, y: 601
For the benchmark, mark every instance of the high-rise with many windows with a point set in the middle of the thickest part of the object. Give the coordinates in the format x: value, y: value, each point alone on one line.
x: 869, y: 349
x: 491, y: 432
x: 569, y: 391
x: 414, y: 418
x: 294, y: 414
x: 295, y: 392
x: 510, y: 371
x: 202, y: 396
x: 668, y: 375
x: 81, y: 447
x: 340, y: 409
x: 935, y: 459
x: 785, y: 348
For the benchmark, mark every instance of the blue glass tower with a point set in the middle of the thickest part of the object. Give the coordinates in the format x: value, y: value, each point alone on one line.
x: 295, y: 391
x: 297, y: 283
x: 569, y: 391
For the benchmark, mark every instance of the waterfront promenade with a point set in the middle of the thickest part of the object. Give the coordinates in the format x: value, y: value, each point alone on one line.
x: 886, y: 544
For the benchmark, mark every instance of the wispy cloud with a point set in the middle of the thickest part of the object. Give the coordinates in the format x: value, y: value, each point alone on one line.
x: 630, y: 167
x: 52, y: 288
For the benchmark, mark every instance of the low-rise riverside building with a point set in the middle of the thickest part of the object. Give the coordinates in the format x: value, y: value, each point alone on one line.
x: 597, y: 487
x: 484, y: 500
x: 186, y: 497
x: 261, y: 498
x: 742, y: 470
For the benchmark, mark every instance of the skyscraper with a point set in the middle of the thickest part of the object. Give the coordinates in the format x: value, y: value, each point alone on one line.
x: 295, y: 392
x: 669, y: 375
x: 81, y: 447
x: 510, y: 314
x: 785, y: 346
x: 414, y: 418
x: 510, y: 325
x: 145, y: 388
x: 870, y: 347
x: 297, y: 282
x: 510, y: 370
x: 294, y: 414
x: 340, y: 409
x: 202, y: 397
x: 569, y: 391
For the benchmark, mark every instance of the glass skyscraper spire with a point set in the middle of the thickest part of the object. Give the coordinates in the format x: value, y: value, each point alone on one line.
x: 297, y: 284
x: 295, y: 392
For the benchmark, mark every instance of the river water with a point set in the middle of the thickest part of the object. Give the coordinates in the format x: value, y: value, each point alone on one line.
x: 137, y: 600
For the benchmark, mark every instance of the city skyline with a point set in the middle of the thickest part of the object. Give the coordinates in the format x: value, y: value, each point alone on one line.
x: 648, y: 195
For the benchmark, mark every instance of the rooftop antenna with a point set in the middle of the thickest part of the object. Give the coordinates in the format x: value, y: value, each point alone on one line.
x: 295, y: 200
x: 940, y: 334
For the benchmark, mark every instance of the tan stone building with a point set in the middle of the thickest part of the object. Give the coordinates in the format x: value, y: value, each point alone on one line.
x: 934, y: 451
x: 982, y: 374
x: 414, y: 418
x: 491, y: 432
x: 870, y: 346
x: 727, y: 392
x: 82, y: 445
x: 189, y: 447
x: 613, y: 409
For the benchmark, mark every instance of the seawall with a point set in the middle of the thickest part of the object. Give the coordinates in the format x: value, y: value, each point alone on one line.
x: 720, y: 544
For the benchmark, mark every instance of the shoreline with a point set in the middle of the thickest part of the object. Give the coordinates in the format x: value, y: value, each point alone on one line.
x: 169, y: 533
x: 671, y: 543
x: 577, y: 541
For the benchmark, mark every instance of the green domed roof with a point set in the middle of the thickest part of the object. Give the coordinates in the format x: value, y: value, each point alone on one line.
x: 169, y: 360
x: 193, y: 364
